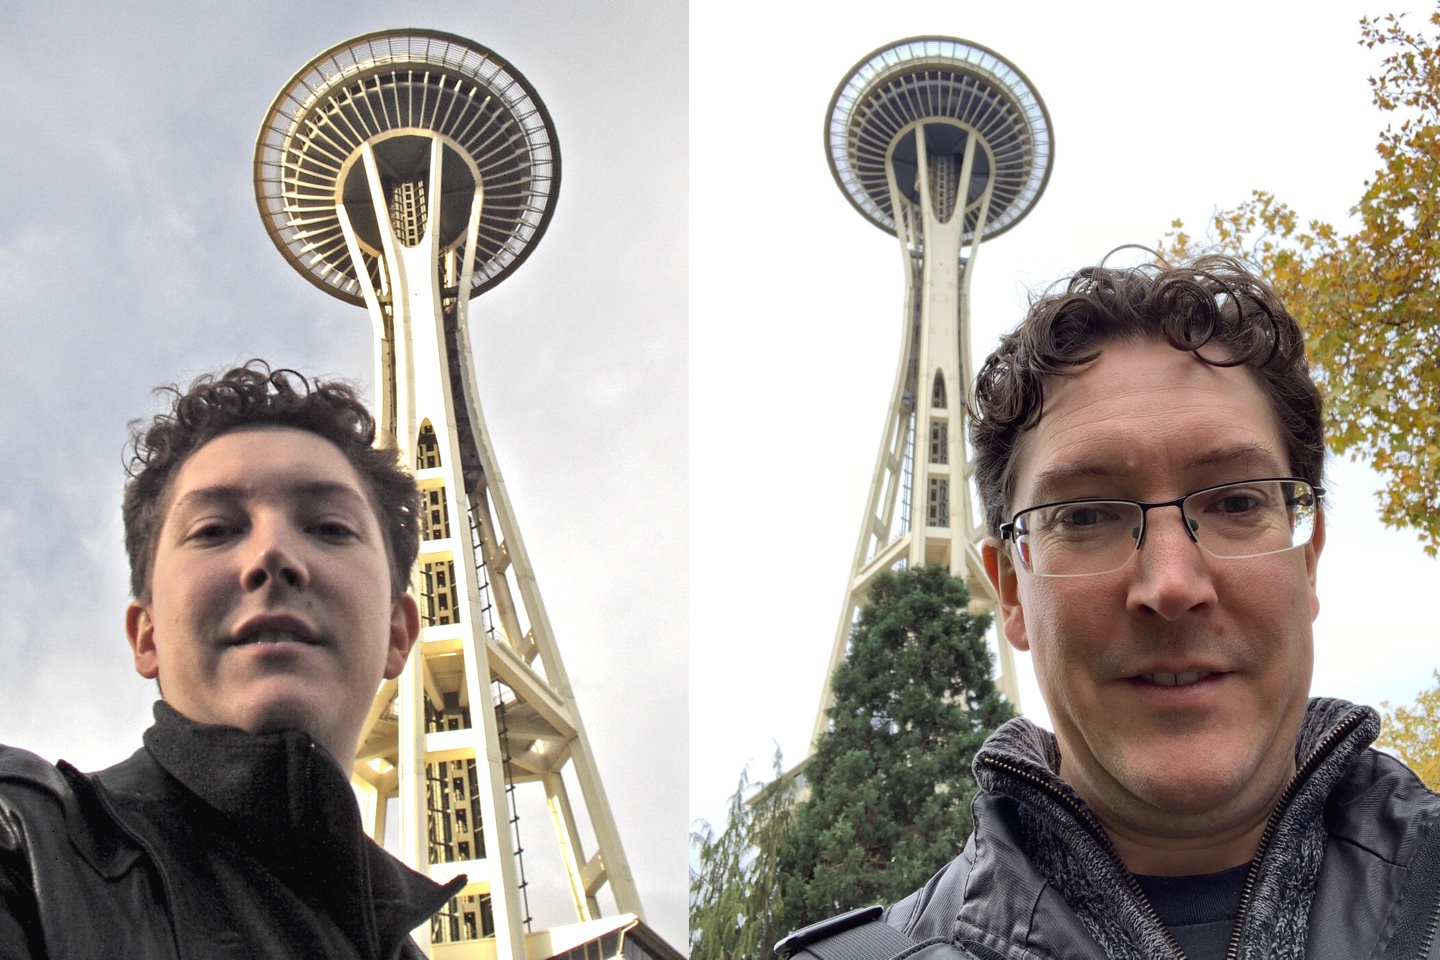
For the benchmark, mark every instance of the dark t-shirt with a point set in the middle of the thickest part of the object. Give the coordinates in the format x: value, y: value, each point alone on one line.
x: 1198, y: 911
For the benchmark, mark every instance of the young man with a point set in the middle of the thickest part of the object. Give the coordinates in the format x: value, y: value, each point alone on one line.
x: 1149, y: 452
x: 270, y: 547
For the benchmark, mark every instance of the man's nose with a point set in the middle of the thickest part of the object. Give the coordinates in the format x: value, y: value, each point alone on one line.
x: 1172, y: 574
x: 274, y: 556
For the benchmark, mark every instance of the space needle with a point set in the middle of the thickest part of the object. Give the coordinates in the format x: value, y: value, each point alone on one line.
x: 409, y: 171
x: 942, y: 143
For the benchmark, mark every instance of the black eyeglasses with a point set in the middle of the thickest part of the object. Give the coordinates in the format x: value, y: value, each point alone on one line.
x: 1252, y: 518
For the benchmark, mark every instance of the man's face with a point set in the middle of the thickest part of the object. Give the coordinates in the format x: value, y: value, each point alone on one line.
x: 1148, y: 422
x: 270, y: 604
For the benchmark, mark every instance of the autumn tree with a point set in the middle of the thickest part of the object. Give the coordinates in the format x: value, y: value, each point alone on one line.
x: 735, y: 902
x: 1369, y: 298
x: 890, y: 782
x: 1413, y: 734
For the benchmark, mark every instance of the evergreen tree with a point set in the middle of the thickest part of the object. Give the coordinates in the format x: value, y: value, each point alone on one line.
x: 735, y: 909
x: 890, y: 783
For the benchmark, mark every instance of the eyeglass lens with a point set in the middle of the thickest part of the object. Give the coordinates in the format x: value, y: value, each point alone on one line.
x: 1099, y: 536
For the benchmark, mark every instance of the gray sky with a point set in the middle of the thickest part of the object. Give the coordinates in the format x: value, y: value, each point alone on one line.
x: 132, y: 254
x: 1159, y: 111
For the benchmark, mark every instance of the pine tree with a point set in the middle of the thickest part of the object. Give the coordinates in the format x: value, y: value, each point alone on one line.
x: 890, y: 782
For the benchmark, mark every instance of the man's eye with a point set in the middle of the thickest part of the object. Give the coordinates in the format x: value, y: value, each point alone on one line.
x: 1075, y: 521
x: 1236, y: 503
x: 212, y: 531
x: 1082, y: 515
x: 333, y: 529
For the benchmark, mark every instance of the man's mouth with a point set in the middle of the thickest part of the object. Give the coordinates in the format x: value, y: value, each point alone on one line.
x: 275, y: 636
x: 1176, y: 679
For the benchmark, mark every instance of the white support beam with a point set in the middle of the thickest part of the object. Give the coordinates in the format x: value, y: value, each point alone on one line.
x: 530, y: 687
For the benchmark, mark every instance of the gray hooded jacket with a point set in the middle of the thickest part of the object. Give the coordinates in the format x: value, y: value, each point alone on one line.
x: 1353, y: 846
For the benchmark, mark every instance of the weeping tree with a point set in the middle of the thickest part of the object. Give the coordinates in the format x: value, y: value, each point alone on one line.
x: 735, y: 902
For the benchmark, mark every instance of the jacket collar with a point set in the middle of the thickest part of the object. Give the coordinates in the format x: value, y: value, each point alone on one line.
x: 268, y: 785
x: 1064, y: 840
x: 1021, y: 744
x: 288, y: 801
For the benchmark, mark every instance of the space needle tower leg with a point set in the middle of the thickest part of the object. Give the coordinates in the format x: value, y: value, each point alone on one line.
x: 409, y: 171
x: 943, y: 144
x: 424, y: 405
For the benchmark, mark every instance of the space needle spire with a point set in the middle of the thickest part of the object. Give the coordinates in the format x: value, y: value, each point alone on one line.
x: 409, y: 171
x: 942, y: 143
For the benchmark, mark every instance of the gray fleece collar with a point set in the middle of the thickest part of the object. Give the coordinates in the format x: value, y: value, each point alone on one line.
x: 1065, y: 842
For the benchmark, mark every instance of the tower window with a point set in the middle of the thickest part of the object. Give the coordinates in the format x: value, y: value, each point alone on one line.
x: 408, y: 211
x: 434, y: 515
x: 437, y: 586
x: 939, y: 441
x: 427, y: 448
x: 938, y: 514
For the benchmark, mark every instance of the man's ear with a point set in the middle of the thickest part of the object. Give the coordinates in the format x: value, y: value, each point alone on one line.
x: 1312, y: 559
x: 1001, y: 572
x: 404, y: 629
x: 140, y: 629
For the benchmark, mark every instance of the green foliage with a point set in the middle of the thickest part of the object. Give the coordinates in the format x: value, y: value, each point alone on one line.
x: 735, y: 892
x: 1413, y: 734
x: 1369, y: 300
x: 890, y: 783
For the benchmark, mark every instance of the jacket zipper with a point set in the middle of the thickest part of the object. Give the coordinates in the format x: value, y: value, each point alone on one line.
x: 1302, y: 774
x: 1087, y: 818
x: 1430, y: 929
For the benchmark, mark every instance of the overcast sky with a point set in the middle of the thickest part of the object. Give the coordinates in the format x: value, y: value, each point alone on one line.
x: 132, y: 254
x: 1159, y: 111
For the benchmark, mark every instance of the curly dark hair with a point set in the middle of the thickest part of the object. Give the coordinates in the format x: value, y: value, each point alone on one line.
x: 255, y: 395
x: 1212, y: 306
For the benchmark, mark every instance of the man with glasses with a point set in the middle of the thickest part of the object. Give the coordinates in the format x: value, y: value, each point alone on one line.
x: 1149, y: 453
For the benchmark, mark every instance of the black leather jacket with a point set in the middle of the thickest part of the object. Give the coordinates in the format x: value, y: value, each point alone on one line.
x: 1379, y: 840
x: 207, y: 843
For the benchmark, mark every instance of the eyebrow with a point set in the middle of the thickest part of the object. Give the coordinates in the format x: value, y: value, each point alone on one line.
x: 228, y: 494
x: 1048, y: 481
x: 1254, y: 453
